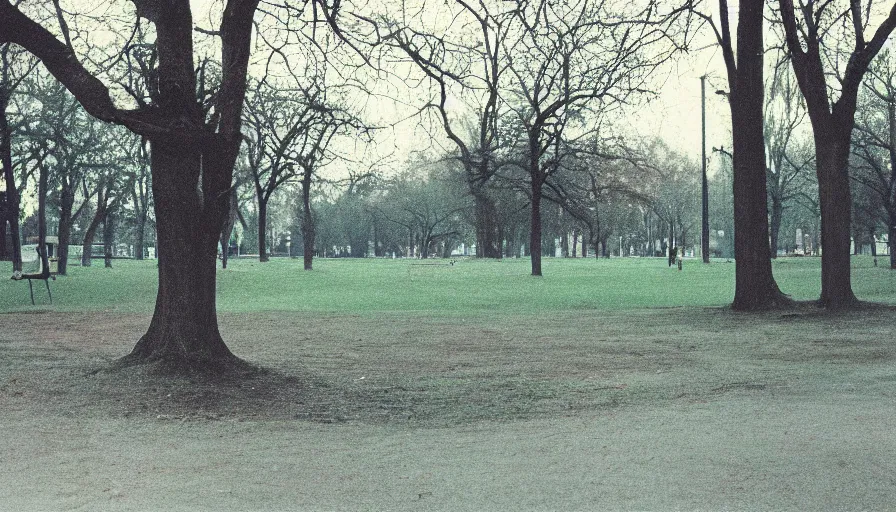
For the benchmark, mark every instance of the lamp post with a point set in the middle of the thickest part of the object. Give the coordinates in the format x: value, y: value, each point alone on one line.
x: 704, y: 240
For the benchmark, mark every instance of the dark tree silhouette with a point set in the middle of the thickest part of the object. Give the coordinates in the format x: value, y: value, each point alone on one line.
x: 832, y: 121
x: 192, y: 160
x: 755, y: 286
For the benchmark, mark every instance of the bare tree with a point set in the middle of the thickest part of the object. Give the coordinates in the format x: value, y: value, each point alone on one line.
x: 830, y: 53
x: 11, y: 77
x: 192, y: 159
x: 788, y: 159
x: 476, y: 67
x: 874, y: 142
x: 68, y: 140
x: 755, y: 285
x: 573, y: 60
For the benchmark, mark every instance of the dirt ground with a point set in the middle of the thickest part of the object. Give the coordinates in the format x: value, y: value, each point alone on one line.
x: 671, y: 409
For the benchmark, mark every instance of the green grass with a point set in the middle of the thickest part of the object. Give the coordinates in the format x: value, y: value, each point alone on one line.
x: 469, y: 287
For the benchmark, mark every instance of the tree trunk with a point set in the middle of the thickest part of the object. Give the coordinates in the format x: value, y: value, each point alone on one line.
x: 12, y: 193
x: 891, y: 241
x: 184, y: 327
x: 140, y: 235
x: 108, y: 232
x: 873, y: 242
x: 262, y: 230
x: 43, y: 177
x: 487, y: 240
x: 90, y: 234
x: 671, y: 256
x: 755, y: 286
x: 308, y: 233
x: 832, y: 155
x: 777, y: 212
x: 65, y: 232
x: 535, y: 227
x: 575, y: 240
x: 227, y: 230
x: 424, y: 247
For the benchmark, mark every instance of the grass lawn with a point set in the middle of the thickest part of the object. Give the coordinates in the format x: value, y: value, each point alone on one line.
x: 469, y: 287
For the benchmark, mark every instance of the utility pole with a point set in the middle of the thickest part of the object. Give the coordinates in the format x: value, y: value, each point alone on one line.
x: 704, y: 246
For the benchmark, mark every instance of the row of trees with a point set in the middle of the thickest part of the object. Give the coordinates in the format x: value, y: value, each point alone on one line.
x: 522, y: 90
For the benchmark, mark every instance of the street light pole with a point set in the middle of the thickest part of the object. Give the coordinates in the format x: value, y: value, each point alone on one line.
x: 705, y: 238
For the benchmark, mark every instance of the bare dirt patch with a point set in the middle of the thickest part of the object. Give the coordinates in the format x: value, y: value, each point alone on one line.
x: 420, y: 385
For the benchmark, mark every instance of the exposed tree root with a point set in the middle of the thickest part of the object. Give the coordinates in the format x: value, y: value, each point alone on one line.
x: 224, y: 368
x: 774, y: 300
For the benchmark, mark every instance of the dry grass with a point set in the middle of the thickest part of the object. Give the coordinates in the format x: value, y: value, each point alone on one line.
x: 434, y: 371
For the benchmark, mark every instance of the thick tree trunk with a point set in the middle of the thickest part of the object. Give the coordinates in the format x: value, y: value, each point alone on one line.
x: 487, y: 238
x: 308, y: 233
x: 535, y: 227
x: 832, y: 155
x: 575, y: 240
x: 108, y: 232
x: 262, y: 230
x: 755, y: 286
x: 184, y: 328
x: 424, y: 247
x: 777, y: 212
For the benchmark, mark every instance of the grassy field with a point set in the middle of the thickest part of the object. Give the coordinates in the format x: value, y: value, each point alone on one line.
x: 408, y: 385
x: 469, y: 287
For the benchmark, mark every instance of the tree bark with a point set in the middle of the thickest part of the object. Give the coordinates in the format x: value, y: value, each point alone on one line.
x: 227, y: 231
x: 755, y: 286
x: 308, y: 233
x: 487, y: 239
x: 891, y: 241
x: 262, y: 230
x: 108, y: 232
x: 90, y: 234
x: 832, y: 155
x: 777, y: 212
x: 184, y: 327
x: 535, y: 226
x: 12, y: 193
x: 139, y: 237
